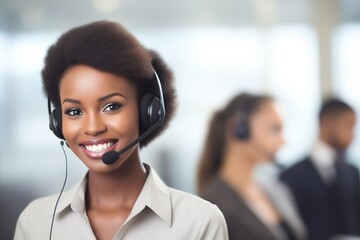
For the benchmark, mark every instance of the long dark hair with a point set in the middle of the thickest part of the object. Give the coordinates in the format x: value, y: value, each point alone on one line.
x: 215, y: 143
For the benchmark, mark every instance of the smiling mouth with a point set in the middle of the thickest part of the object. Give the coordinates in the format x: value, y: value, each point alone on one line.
x: 97, y: 148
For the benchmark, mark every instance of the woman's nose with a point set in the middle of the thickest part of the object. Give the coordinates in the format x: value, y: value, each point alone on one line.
x: 94, y: 124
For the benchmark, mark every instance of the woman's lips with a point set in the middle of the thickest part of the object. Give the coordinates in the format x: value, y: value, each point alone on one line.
x: 96, y: 149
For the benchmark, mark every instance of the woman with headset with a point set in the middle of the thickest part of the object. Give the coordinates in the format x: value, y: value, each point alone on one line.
x: 110, y: 96
x: 242, y: 135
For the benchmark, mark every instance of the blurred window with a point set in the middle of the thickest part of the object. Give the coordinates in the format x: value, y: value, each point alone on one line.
x: 346, y: 70
x: 293, y: 79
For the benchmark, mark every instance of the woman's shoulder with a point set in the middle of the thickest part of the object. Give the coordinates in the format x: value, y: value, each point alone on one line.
x: 179, y: 201
x: 194, y: 205
x: 43, y: 205
x: 193, y: 213
x: 218, y: 192
x: 46, y: 205
x: 35, y: 216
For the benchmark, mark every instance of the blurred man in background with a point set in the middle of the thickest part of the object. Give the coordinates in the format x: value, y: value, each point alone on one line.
x: 325, y: 187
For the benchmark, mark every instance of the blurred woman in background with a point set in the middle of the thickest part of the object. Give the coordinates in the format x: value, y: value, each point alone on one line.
x: 246, y: 133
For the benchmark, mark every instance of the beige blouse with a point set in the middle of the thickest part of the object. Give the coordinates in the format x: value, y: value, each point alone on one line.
x: 159, y: 213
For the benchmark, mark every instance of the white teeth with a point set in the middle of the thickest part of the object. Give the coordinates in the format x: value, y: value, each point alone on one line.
x: 98, y: 147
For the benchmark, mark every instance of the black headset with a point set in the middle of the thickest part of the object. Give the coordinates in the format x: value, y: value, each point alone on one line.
x: 151, y: 113
x: 242, y: 127
x: 242, y: 123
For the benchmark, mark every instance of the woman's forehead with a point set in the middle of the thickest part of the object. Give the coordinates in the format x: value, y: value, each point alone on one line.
x: 84, y: 79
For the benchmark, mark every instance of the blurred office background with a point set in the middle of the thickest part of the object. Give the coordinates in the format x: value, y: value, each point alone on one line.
x: 299, y: 51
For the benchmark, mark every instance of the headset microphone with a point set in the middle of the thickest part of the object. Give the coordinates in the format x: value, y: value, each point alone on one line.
x: 152, y: 115
x: 113, y: 156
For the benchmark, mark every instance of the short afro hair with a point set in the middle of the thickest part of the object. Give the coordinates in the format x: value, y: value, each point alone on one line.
x: 333, y: 107
x: 107, y: 46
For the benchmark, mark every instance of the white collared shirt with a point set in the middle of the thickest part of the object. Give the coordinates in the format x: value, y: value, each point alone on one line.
x: 323, y: 156
x: 159, y: 213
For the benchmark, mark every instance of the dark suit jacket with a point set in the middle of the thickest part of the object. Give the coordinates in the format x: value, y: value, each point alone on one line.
x: 326, y: 209
x: 241, y: 221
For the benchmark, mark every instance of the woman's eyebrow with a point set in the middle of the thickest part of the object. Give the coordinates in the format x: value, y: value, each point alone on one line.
x: 71, y: 100
x: 111, y: 95
x: 99, y: 100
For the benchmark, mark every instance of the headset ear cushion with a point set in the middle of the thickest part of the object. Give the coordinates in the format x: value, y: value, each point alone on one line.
x: 149, y: 111
x: 56, y: 123
x: 242, y: 130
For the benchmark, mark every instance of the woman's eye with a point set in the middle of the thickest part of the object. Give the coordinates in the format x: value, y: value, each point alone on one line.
x: 112, y: 107
x: 73, y: 112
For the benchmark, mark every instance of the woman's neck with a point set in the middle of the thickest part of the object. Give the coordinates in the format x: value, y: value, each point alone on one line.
x: 117, y: 189
x: 237, y: 169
